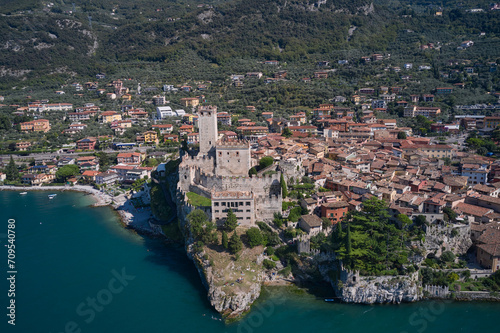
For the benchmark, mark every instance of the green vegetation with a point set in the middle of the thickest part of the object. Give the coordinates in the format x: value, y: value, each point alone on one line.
x: 372, y: 244
x: 235, y: 243
x: 201, y: 228
x: 269, y: 236
x: 231, y: 221
x: 67, y: 171
x: 284, y: 189
x: 172, y: 232
x: 254, y: 237
x: 159, y: 206
x: 198, y: 200
x: 225, y: 241
x: 11, y: 172
x: 268, y: 264
x: 265, y: 162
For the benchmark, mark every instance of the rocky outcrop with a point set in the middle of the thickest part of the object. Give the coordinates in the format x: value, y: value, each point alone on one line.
x: 231, y: 300
x: 452, y: 237
x: 227, y: 301
x: 350, y: 287
x: 379, y: 289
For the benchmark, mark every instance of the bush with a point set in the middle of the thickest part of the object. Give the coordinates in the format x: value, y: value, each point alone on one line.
x: 265, y: 162
x: 268, y: 264
x: 286, y: 271
x: 270, y: 251
x: 255, y: 237
x: 447, y: 256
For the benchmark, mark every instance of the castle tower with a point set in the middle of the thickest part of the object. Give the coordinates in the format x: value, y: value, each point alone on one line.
x: 207, y: 123
x: 233, y: 158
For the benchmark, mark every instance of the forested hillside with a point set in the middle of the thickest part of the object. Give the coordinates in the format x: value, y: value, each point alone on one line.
x: 50, y: 43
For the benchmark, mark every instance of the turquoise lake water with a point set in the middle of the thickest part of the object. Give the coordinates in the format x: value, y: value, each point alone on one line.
x: 80, y: 270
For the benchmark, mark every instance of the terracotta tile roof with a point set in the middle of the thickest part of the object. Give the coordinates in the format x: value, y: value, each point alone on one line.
x: 469, y: 209
x: 312, y: 221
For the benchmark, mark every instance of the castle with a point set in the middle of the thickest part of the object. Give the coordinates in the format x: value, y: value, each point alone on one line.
x: 220, y: 172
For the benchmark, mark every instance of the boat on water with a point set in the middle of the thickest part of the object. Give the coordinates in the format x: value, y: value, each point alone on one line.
x: 329, y: 300
x: 51, y: 196
x: 22, y: 193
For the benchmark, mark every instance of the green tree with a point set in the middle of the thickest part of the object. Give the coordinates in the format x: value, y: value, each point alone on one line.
x: 338, y: 235
x: 278, y: 220
x: 201, y: 228
x: 449, y: 214
x: 284, y: 189
x: 286, y: 132
x: 402, y: 135
x: 254, y: 237
x: 67, y: 171
x: 268, y: 264
x: 231, y: 221
x: 420, y: 220
x: 348, y: 241
x: 11, y: 172
x: 447, y: 256
x: 265, y: 162
x: 235, y: 244
x: 225, y: 240
x: 326, y: 222
x: 404, y: 221
x: 252, y: 171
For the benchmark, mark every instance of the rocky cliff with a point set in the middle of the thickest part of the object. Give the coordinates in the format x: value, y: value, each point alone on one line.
x: 380, y: 289
x: 451, y: 237
x: 350, y: 287
x: 231, y: 299
x: 233, y: 284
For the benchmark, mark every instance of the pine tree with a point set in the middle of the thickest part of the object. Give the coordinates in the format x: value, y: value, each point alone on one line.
x: 11, y: 171
x: 224, y: 240
x: 284, y: 189
x: 235, y: 243
x: 231, y: 221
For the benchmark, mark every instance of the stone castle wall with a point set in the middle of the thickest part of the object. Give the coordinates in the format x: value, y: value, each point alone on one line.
x: 353, y: 288
x: 289, y: 169
x: 233, y: 160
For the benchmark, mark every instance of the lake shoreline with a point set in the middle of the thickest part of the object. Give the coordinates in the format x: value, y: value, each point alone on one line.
x: 130, y: 216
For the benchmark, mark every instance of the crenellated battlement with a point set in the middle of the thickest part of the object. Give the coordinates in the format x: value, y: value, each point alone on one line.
x: 235, y: 144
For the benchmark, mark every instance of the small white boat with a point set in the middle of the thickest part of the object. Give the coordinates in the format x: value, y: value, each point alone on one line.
x: 23, y: 193
x: 51, y: 196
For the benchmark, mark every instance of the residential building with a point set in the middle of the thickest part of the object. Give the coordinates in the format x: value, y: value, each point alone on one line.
x: 164, y: 128
x: 86, y: 144
x: 413, y: 111
x: 334, y: 211
x: 108, y: 177
x: 311, y: 224
x: 39, y: 125
x: 240, y: 202
x: 110, y: 116
x: 130, y: 158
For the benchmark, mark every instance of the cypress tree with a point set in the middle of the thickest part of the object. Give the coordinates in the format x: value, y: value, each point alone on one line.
x: 337, y: 236
x: 348, y: 245
x: 11, y: 171
x: 231, y: 221
x: 224, y: 240
x: 235, y: 243
x: 284, y: 189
